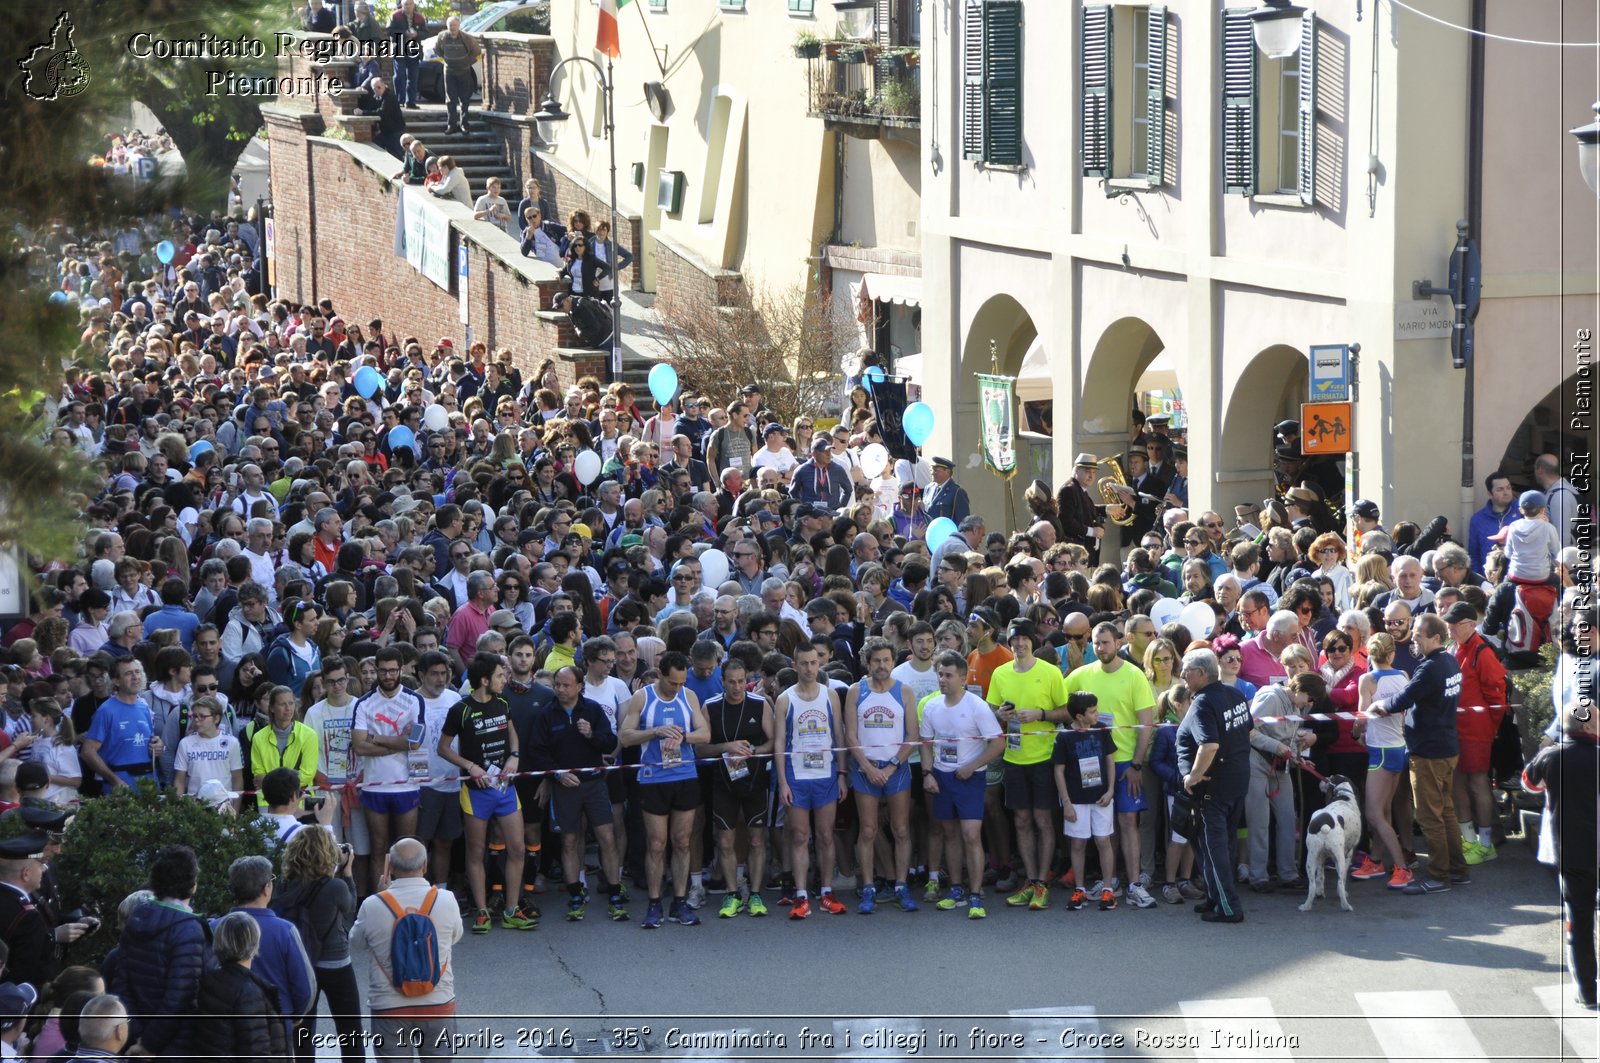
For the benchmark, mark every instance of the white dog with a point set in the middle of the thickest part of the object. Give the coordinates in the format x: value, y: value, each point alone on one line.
x: 1332, y: 834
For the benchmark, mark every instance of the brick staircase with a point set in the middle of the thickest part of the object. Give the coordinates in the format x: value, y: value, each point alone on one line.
x: 480, y: 154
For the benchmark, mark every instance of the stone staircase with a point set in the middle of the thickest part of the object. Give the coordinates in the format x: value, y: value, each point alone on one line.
x: 480, y: 154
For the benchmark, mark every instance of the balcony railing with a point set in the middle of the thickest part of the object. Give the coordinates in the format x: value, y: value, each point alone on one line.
x: 864, y: 89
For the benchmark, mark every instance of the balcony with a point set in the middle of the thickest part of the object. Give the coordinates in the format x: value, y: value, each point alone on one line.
x: 866, y: 91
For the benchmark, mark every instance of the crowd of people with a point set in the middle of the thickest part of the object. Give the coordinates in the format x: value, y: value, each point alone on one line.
x: 478, y: 643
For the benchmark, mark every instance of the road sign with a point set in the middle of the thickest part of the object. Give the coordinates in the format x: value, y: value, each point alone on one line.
x: 1330, y: 373
x: 1325, y: 428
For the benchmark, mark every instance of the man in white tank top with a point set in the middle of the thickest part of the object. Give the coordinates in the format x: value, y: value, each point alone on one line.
x: 877, y: 712
x: 811, y: 778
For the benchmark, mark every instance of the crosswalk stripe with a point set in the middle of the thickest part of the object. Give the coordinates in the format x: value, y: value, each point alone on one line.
x: 1431, y: 1024
x: 1044, y: 1028
x: 1235, y: 1028
x: 1580, y: 1028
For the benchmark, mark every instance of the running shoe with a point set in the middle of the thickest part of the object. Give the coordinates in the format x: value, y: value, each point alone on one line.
x: 1190, y: 891
x: 1041, y: 898
x: 756, y: 906
x: 526, y: 903
x: 1472, y: 852
x: 1369, y: 868
x: 1068, y: 880
x: 1400, y: 879
x: 497, y: 900
x: 786, y: 891
x: 731, y: 906
x: 975, y: 908
x: 684, y: 915
x: 483, y: 922
x: 1140, y: 896
x: 519, y: 919
x: 1108, y: 900
x: 902, y: 897
x: 617, y: 909
x: 696, y: 898
x: 930, y: 892
x: 1116, y: 887
x: 869, y: 899
x: 956, y: 898
x: 1008, y: 881
x: 1021, y: 898
x: 1170, y: 894
x: 830, y: 904
x: 716, y: 886
x: 1427, y: 885
x: 652, y: 916
x: 575, y: 909
x: 1077, y: 900
x: 801, y: 909
x: 1489, y: 852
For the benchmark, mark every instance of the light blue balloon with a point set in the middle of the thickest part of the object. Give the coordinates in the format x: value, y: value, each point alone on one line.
x: 59, y: 298
x: 199, y: 447
x: 166, y: 252
x: 367, y: 381
x: 663, y: 383
x: 940, y: 529
x: 918, y: 423
x: 400, y: 436
x: 874, y: 374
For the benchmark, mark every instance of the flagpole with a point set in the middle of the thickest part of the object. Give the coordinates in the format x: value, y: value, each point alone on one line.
x: 616, y: 233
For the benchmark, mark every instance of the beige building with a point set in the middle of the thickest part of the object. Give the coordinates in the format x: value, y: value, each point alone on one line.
x: 743, y: 162
x: 1137, y: 192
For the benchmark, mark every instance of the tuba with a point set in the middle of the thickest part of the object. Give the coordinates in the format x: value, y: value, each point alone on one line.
x: 1109, y: 495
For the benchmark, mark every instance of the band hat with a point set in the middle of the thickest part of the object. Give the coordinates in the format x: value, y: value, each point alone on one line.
x: 1301, y: 493
x: 1246, y: 511
x: 943, y: 463
x: 1086, y: 460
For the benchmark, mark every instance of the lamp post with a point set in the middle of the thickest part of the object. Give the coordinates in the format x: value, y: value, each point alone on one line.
x: 1588, y: 138
x: 551, y: 118
x: 1276, y: 27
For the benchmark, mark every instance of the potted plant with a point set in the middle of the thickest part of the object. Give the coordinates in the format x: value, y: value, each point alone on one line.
x: 807, y: 45
x: 853, y: 53
x: 832, y: 47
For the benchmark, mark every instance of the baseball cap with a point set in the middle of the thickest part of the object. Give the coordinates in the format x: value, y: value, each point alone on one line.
x: 16, y: 1000
x: 1460, y: 612
x: 1365, y: 508
x: 1532, y: 500
x: 31, y: 775
x: 821, y: 442
x: 775, y: 427
x: 504, y: 618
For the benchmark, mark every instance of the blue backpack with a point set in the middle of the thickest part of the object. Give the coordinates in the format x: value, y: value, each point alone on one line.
x: 414, y: 967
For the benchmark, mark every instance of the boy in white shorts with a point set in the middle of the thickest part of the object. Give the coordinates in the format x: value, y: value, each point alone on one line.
x: 1084, y: 773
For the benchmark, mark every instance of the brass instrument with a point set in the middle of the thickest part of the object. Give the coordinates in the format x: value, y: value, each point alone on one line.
x: 1110, y: 496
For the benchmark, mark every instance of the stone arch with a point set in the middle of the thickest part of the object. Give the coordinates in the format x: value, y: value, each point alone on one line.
x: 1270, y: 389
x: 1557, y: 424
x: 1125, y: 349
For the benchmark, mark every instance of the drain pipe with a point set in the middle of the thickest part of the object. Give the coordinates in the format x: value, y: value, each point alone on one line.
x: 1475, y: 75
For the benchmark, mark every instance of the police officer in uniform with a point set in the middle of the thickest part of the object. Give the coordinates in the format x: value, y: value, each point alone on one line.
x: 35, y: 942
x: 944, y: 497
x: 1213, y: 744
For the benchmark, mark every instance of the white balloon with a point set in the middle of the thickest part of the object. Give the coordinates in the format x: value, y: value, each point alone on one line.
x: 436, y: 418
x: 714, y: 567
x: 874, y: 459
x: 586, y: 467
x: 1165, y: 611
x: 1199, y: 618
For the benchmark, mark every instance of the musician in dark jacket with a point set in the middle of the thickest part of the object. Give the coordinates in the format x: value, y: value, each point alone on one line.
x: 236, y: 1019
x: 1082, y: 521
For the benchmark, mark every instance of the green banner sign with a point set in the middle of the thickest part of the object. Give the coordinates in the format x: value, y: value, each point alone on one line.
x: 997, y: 414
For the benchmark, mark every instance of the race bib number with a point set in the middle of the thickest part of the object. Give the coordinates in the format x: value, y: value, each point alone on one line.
x: 738, y: 767
x: 671, y: 758
x: 417, y: 765
x: 1090, y: 770
x: 813, y: 761
x: 947, y: 755
x: 1014, y: 735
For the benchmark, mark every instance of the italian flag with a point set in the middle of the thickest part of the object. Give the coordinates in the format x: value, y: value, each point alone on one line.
x: 606, y: 39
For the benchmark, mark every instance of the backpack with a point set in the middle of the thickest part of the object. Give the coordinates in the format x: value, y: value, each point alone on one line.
x: 414, y: 967
x: 1528, y: 626
x: 298, y: 912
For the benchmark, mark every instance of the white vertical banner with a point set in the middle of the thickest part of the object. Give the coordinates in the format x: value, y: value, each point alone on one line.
x: 461, y: 274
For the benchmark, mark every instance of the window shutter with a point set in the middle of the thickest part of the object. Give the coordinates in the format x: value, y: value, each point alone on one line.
x: 1095, y: 63
x: 884, y: 23
x: 1308, y: 108
x: 1156, y: 93
x: 1002, y: 82
x: 972, y: 80
x: 1238, y: 103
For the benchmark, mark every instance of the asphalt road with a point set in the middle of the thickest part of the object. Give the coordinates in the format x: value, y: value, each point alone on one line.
x: 1472, y: 974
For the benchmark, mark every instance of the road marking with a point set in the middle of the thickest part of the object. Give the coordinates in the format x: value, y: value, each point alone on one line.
x: 1580, y: 1028
x: 1235, y: 1028
x: 1432, y: 1025
x: 1047, y: 1031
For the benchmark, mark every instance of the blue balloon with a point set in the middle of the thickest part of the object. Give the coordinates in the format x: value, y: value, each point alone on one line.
x: 367, y: 381
x: 874, y: 374
x: 663, y: 383
x: 199, y: 447
x: 940, y: 529
x: 918, y: 423
x: 166, y: 252
x: 59, y: 298
x: 400, y: 436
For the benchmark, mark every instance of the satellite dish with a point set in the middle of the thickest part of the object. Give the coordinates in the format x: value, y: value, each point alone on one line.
x: 658, y: 99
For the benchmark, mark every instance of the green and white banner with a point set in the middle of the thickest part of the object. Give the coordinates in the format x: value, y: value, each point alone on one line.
x: 997, y: 414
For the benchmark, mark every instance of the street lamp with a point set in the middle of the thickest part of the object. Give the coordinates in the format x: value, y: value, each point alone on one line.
x: 550, y: 119
x: 1276, y: 25
x: 1588, y: 138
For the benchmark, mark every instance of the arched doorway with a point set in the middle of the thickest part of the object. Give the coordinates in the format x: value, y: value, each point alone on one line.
x: 1270, y: 390
x: 1548, y: 429
x: 999, y: 336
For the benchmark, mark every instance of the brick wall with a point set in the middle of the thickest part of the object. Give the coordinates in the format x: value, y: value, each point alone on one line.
x: 517, y: 71
x: 334, y: 219
x: 682, y: 277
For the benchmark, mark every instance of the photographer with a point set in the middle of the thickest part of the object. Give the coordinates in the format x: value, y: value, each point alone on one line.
x: 319, y: 895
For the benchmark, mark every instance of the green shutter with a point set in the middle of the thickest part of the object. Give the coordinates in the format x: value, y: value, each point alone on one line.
x: 1308, y: 108
x: 1156, y: 95
x: 1094, y: 62
x: 1002, y: 82
x: 972, y: 80
x: 1238, y: 103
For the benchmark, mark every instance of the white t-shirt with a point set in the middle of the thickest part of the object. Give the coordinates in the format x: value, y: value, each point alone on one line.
x: 443, y: 775
x: 287, y: 825
x: 208, y: 758
x: 332, y: 725
x: 610, y: 695
x: 783, y: 460
x: 388, y: 717
x: 959, y: 732
x: 921, y: 684
x: 58, y: 759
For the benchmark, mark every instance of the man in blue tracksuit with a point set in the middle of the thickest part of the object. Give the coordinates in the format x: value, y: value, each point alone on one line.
x: 1214, y: 757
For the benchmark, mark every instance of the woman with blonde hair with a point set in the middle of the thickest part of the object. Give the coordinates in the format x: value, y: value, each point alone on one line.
x: 1161, y: 665
x: 316, y: 878
x: 1296, y: 659
x: 1389, y: 809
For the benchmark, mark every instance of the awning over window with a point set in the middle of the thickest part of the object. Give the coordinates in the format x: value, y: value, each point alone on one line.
x: 889, y: 288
